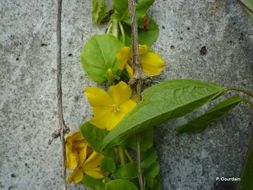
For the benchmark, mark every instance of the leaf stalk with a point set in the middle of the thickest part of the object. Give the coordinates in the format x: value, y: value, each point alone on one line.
x: 115, y: 28
x: 122, y: 156
x: 240, y: 90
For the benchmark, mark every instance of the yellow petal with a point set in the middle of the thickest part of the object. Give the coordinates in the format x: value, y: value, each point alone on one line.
x: 76, y: 176
x: 129, y: 70
x: 143, y: 49
x: 72, y: 161
x: 71, y: 158
x: 123, y: 56
x: 100, y: 117
x: 98, y: 123
x: 74, y: 136
x: 108, y: 118
x: 92, y: 161
x: 127, y: 107
x: 116, y: 117
x: 120, y: 92
x: 98, y: 97
x: 112, y: 120
x: 83, y: 155
x: 77, y: 145
x: 152, y: 64
x: 95, y: 173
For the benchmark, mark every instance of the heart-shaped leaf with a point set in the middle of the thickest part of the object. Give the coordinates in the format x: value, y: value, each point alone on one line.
x: 98, y: 58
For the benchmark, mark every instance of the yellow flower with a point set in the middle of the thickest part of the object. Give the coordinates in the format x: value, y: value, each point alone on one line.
x: 75, y: 143
x: 90, y: 166
x: 82, y: 159
x: 152, y: 64
x: 110, y: 107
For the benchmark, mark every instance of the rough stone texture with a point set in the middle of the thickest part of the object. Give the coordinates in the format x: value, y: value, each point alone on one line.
x: 208, y: 40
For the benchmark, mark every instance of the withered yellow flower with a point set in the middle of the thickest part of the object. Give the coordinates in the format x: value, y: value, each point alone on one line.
x: 90, y: 166
x: 81, y: 159
x: 152, y: 64
x: 110, y: 107
x: 75, y: 144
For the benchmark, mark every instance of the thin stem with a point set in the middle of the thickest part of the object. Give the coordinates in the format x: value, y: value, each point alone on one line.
x: 122, y: 33
x: 240, y: 90
x: 115, y: 28
x: 62, y: 126
x: 122, y: 156
x: 140, y: 177
x: 137, y: 80
x: 138, y: 74
x: 109, y: 28
x: 128, y: 155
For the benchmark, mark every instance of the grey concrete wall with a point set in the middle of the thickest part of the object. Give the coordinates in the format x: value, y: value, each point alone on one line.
x: 28, y: 88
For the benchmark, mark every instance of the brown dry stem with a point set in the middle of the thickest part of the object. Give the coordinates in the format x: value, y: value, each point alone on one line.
x: 63, y: 129
x: 138, y: 79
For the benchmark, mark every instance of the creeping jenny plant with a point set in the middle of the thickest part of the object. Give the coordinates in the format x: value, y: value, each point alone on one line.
x: 102, y: 154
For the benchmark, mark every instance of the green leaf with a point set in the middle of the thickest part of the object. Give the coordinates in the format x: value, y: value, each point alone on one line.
x: 146, y: 36
x: 219, y: 110
x: 150, y: 168
x: 246, y: 182
x: 142, y: 7
x: 98, y: 57
x: 93, y: 135
x: 250, y: 14
x: 146, y: 140
x: 110, y: 152
x: 108, y: 164
x: 148, y: 158
x: 168, y: 100
x: 121, y: 7
x: 91, y: 182
x: 99, y: 11
x: 123, y: 13
x: 127, y: 171
x: 96, y: 184
x: 150, y: 35
x: 153, y: 183
x: 248, y: 5
x: 120, y: 184
x: 152, y: 171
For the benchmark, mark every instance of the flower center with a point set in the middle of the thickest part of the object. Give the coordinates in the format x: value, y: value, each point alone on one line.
x: 115, y: 108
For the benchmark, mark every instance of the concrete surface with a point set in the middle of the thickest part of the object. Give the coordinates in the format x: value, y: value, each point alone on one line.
x: 28, y: 88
